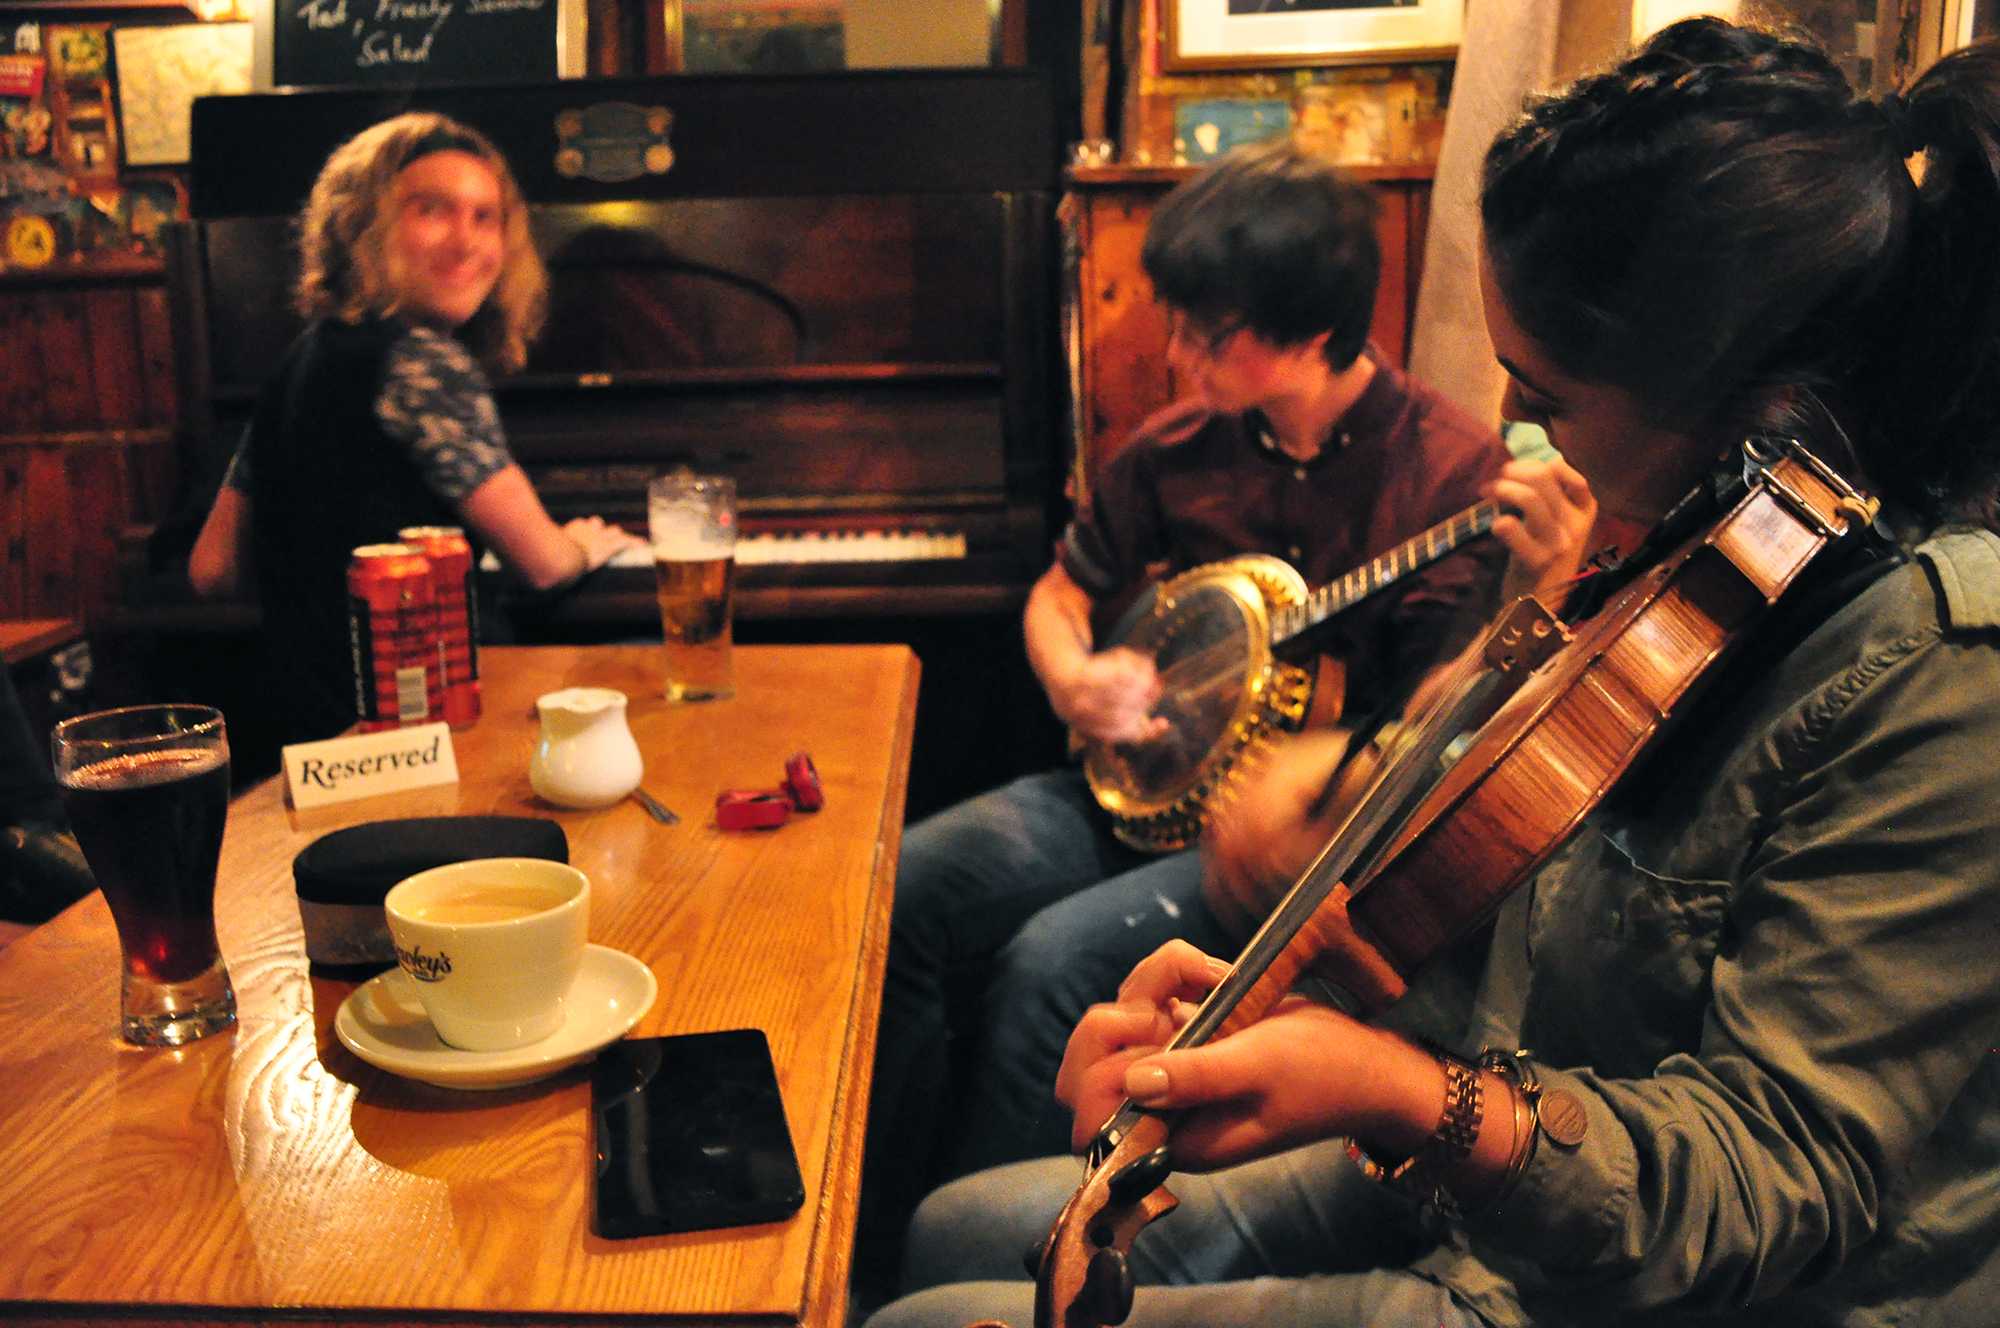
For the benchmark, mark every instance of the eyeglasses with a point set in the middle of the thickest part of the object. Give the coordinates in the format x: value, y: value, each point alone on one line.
x: 1208, y: 338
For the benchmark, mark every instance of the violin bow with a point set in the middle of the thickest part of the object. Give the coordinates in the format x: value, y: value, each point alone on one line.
x: 1082, y: 1266
x: 1794, y: 507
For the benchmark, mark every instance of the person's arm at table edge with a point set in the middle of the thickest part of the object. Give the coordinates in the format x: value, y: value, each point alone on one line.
x: 508, y: 516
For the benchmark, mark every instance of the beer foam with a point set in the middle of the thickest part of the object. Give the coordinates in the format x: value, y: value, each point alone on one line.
x: 142, y: 769
x: 690, y: 546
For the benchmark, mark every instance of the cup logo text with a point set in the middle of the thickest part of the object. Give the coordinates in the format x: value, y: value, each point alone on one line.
x: 424, y: 967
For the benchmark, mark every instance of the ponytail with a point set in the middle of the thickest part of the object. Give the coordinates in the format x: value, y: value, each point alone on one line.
x: 1718, y: 226
x: 1940, y: 416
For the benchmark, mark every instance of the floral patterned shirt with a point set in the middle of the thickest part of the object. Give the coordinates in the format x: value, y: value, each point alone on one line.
x: 435, y: 400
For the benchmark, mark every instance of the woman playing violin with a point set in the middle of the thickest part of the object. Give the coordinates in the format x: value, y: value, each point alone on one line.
x: 1759, y: 982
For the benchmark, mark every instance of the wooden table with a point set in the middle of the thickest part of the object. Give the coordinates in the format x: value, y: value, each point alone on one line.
x: 25, y: 638
x: 270, y: 1174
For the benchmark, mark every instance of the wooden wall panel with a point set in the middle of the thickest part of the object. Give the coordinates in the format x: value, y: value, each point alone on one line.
x: 62, y: 334
x: 21, y: 408
x: 87, y: 434
x: 1390, y: 330
x: 117, y: 384
x: 47, y: 523
x: 151, y: 476
x: 13, y: 526
x: 1125, y: 371
x: 99, y: 496
x: 157, y: 368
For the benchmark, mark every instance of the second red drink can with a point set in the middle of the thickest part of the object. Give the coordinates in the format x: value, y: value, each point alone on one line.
x: 450, y: 556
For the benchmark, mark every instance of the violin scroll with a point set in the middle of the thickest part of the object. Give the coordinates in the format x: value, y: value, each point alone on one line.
x: 1084, y: 1280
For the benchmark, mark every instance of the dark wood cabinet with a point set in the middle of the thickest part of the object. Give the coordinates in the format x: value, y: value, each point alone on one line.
x: 88, y: 409
x: 1116, y: 332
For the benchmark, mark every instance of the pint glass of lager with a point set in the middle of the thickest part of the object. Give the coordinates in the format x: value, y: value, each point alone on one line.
x: 692, y: 519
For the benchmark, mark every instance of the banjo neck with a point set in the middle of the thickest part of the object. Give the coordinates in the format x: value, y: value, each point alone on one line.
x: 1412, y: 555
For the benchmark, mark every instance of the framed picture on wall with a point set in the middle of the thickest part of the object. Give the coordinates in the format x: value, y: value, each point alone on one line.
x: 764, y: 37
x: 1268, y: 34
x: 161, y: 70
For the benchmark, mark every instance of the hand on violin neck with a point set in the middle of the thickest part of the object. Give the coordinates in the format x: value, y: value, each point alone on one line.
x: 1159, y: 996
x: 1284, y: 804
x: 1546, y: 528
x: 1303, y: 1073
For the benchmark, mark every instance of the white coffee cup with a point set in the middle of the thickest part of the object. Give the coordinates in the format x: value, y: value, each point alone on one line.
x: 492, y: 946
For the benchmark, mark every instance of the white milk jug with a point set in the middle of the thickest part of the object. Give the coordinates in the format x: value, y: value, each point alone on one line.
x: 586, y: 756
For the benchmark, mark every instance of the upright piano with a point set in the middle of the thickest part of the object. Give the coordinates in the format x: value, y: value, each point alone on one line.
x: 835, y: 288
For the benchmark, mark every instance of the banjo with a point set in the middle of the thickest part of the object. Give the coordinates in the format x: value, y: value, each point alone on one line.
x: 1211, y: 633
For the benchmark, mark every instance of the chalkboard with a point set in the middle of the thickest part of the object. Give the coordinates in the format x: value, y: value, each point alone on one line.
x: 321, y: 43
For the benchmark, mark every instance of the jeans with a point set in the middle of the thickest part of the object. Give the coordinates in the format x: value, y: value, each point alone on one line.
x: 1299, y: 1240
x: 1015, y: 911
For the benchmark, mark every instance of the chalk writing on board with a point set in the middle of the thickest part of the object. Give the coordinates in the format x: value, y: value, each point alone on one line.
x: 332, y: 41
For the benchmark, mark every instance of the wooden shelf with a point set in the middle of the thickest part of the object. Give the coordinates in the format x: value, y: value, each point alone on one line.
x: 72, y: 439
x: 118, y: 268
x: 1171, y: 175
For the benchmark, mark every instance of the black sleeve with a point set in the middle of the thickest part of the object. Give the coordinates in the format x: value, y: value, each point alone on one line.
x: 27, y: 787
x: 41, y: 870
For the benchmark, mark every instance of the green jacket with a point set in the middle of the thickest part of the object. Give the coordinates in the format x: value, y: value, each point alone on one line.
x: 1776, y: 989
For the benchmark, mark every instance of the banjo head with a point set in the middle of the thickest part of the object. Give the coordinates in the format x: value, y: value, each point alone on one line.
x: 1208, y: 634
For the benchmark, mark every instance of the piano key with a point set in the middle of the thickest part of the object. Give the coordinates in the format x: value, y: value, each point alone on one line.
x: 845, y: 546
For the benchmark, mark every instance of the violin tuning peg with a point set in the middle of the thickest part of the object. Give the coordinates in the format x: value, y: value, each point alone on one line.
x: 1141, y: 1176
x: 1107, y: 1287
x: 1032, y: 1259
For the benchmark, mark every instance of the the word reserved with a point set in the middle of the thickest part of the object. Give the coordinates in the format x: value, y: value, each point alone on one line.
x: 367, y: 764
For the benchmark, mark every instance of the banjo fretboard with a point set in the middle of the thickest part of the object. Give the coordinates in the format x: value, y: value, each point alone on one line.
x: 1412, y: 555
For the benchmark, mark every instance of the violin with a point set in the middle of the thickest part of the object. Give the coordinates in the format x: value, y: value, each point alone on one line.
x: 1424, y: 859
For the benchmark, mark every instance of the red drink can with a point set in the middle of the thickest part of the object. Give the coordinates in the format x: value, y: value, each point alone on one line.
x: 457, y: 616
x: 392, y: 623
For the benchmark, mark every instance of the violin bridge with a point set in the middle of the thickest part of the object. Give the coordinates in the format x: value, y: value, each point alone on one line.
x: 1526, y: 635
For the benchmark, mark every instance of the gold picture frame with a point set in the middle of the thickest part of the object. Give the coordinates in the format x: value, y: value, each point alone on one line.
x: 753, y: 36
x: 1277, y: 34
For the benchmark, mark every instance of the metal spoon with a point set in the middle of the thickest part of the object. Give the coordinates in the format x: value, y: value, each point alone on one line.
x: 656, y: 807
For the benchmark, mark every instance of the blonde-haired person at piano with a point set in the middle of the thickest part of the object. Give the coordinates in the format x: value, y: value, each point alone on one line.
x: 417, y: 266
x: 1018, y: 909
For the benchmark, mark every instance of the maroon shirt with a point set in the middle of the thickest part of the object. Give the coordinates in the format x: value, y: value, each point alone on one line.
x: 1194, y: 487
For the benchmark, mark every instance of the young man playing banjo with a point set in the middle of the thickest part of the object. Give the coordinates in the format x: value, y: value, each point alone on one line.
x: 1017, y: 909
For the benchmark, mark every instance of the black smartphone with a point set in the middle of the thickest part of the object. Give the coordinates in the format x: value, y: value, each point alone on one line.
x: 691, y: 1135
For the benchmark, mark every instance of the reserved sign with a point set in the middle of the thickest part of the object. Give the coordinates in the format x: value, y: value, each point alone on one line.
x: 368, y: 764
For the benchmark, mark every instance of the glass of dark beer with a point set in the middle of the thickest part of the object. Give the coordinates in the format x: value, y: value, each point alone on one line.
x: 147, y: 790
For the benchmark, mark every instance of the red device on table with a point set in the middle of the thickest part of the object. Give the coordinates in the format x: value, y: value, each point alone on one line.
x: 803, y: 781
x: 767, y: 809
x: 752, y: 809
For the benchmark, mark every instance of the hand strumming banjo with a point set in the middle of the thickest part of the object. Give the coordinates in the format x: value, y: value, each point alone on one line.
x: 1210, y: 633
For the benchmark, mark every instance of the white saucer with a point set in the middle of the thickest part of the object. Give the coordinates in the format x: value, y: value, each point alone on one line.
x: 384, y: 1024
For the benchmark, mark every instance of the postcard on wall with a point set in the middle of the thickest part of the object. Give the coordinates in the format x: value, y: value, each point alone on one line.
x: 160, y: 73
